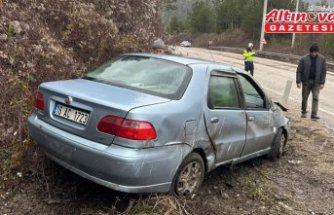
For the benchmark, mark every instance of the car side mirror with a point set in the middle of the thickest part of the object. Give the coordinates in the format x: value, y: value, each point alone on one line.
x: 269, y: 103
x: 273, y: 108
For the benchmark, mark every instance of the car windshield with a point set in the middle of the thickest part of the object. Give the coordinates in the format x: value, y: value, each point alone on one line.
x: 147, y: 74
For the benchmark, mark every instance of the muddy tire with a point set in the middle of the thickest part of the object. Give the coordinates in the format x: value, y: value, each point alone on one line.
x: 278, y: 145
x: 189, y: 176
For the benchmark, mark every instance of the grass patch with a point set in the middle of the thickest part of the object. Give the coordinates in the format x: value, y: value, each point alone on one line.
x: 157, y: 205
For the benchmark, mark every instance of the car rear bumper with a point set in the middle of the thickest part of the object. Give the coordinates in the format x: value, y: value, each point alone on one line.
x: 116, y: 167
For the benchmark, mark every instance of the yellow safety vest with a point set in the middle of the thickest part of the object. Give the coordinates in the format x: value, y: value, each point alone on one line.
x: 248, y: 56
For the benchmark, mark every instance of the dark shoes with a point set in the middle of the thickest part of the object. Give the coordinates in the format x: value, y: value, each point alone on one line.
x: 315, y: 117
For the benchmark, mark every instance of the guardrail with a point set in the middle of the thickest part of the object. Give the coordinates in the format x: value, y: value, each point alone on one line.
x: 270, y: 55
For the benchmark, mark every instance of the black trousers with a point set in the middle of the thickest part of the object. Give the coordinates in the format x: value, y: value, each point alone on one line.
x: 307, y: 88
x: 249, y: 66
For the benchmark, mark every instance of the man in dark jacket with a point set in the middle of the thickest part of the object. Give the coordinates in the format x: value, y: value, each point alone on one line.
x: 311, y: 77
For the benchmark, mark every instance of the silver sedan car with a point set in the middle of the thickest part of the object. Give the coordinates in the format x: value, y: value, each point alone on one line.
x: 145, y: 123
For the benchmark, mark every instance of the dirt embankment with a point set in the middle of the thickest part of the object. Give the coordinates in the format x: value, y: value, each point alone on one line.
x: 43, y: 40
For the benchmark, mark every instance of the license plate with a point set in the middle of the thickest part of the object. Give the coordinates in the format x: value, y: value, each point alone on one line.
x: 71, y: 114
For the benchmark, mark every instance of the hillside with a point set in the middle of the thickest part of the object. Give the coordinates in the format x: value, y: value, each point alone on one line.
x: 50, y: 40
x: 183, y: 7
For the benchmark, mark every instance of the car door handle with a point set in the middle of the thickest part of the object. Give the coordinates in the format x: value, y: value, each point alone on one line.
x: 251, y: 118
x: 214, y: 120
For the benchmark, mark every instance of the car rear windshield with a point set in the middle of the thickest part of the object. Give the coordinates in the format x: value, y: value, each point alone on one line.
x: 146, y: 74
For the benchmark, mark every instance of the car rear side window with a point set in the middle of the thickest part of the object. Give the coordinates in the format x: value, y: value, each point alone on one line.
x: 223, y: 93
x: 147, y: 74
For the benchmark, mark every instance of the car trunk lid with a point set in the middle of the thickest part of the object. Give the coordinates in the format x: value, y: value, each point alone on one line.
x: 93, y: 100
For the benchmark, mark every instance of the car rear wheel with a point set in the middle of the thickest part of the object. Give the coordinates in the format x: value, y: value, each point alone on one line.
x: 278, y: 145
x: 190, y: 176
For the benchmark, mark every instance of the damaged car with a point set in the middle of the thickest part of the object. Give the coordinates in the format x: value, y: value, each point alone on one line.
x: 145, y: 123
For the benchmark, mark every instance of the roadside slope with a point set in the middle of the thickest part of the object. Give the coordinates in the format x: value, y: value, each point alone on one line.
x: 51, y: 40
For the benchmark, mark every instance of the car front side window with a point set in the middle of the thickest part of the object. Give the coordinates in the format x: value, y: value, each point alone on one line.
x: 254, y: 97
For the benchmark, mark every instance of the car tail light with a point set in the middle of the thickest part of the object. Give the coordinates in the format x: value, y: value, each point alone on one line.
x: 127, y: 128
x: 39, y: 101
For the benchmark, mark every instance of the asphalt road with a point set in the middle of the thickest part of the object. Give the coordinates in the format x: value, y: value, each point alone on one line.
x: 273, y: 76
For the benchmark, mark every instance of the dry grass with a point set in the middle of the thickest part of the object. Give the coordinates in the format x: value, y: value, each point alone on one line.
x: 157, y: 205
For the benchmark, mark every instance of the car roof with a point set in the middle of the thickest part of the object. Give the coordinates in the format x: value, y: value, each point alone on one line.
x: 189, y: 61
x: 185, y: 60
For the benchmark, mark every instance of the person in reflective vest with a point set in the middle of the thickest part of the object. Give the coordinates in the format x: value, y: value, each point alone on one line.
x: 249, y: 59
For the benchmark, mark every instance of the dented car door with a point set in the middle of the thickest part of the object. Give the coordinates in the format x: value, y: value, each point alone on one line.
x: 225, y: 117
x: 260, y: 129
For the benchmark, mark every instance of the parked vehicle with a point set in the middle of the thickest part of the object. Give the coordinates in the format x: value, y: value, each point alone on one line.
x: 185, y: 44
x: 146, y: 123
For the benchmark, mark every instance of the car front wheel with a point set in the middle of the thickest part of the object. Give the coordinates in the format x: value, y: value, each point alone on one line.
x: 190, y: 176
x: 278, y: 145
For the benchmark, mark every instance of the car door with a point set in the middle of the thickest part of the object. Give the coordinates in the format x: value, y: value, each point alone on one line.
x: 225, y: 119
x: 260, y: 127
